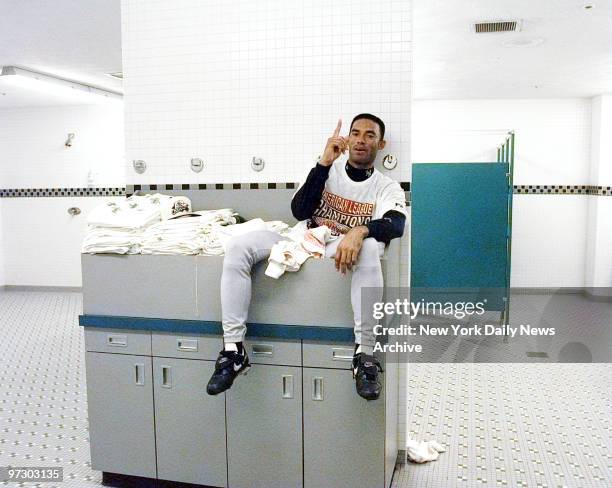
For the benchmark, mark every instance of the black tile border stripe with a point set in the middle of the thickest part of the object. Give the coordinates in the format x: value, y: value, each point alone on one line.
x: 62, y: 192
x: 131, y: 189
x: 564, y: 190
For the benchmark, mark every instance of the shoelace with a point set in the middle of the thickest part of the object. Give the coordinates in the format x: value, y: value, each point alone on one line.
x: 232, y: 358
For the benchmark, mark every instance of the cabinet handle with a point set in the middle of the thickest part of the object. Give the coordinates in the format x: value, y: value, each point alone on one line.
x: 342, y: 354
x: 317, y: 389
x: 139, y: 377
x: 166, y: 377
x: 187, y: 345
x: 262, y: 349
x: 118, y: 340
x: 287, y: 386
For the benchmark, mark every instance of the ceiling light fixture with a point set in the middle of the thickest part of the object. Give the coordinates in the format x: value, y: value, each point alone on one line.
x: 52, y: 85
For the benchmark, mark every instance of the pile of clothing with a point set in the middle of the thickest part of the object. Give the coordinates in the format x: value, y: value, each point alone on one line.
x: 162, y: 224
x: 117, y: 227
x: 302, y: 243
x: 188, y: 234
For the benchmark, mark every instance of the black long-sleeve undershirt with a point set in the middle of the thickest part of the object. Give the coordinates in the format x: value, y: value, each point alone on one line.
x: 306, y: 200
x: 308, y: 197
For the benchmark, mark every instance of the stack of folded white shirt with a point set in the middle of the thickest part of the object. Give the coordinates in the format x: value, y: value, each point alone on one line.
x: 185, y: 235
x: 112, y: 240
x: 134, y: 212
x: 117, y: 227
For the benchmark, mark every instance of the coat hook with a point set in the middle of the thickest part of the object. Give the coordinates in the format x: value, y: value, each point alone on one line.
x: 68, y: 142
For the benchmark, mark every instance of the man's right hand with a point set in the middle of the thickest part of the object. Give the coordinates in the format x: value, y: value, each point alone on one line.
x: 336, y: 145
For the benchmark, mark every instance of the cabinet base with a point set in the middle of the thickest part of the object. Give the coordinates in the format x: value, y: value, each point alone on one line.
x: 127, y: 481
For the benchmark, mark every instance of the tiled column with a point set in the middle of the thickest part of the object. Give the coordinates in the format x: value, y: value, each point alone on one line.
x: 598, y: 265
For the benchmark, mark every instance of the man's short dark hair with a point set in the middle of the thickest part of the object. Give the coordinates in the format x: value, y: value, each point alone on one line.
x: 373, y: 118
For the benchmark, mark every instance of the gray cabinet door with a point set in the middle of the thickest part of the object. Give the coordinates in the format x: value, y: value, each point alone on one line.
x: 344, y: 434
x: 120, y: 407
x: 264, y: 428
x: 189, y: 423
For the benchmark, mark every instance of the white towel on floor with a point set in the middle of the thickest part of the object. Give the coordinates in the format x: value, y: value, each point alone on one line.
x: 424, y: 451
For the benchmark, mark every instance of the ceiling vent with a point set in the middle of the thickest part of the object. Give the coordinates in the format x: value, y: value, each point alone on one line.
x: 498, y: 26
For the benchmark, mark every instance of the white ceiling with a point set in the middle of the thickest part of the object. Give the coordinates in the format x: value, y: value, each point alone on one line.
x: 451, y: 61
x: 81, y: 40
x: 74, y: 39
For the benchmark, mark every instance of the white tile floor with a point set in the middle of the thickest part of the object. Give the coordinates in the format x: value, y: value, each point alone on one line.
x: 530, y: 425
x: 512, y: 425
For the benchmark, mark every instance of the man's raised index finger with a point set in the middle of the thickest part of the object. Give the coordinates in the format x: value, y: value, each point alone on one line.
x: 337, y: 131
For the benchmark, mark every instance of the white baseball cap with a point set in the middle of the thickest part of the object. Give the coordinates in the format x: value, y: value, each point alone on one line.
x: 175, y: 207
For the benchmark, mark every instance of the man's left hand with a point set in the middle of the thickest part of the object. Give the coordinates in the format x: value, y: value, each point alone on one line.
x: 348, y: 249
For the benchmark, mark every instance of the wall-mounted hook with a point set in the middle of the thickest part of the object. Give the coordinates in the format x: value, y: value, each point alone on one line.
x: 69, y: 139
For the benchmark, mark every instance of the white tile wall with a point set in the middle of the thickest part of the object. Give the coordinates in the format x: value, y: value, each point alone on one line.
x: 42, y: 242
x: 549, y: 239
x: 598, y: 261
x: 227, y: 81
x: 2, y: 253
x: 34, y: 155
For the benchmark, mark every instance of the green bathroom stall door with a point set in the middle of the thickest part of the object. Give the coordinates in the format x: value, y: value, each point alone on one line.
x: 459, y: 230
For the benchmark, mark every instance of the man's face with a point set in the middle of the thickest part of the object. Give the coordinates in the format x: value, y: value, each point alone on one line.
x: 364, y: 142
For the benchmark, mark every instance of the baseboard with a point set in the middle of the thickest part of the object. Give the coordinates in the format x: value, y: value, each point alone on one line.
x: 65, y: 289
x: 593, y: 294
x: 128, y: 481
x: 601, y: 294
x: 562, y: 290
x: 401, y: 457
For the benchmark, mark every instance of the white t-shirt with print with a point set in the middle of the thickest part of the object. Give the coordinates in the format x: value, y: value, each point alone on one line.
x: 346, y: 203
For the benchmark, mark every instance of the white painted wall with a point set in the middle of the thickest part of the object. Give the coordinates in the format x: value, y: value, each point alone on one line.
x: 553, y: 135
x: 553, y: 139
x: 41, y: 241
